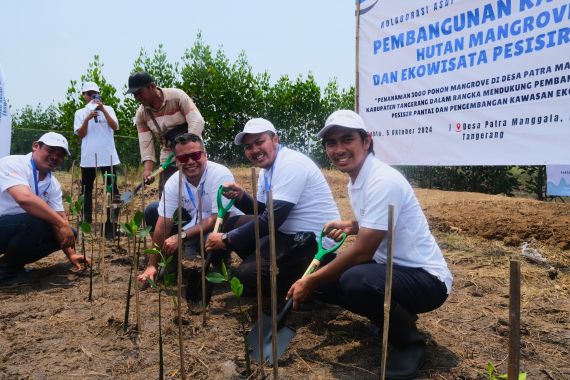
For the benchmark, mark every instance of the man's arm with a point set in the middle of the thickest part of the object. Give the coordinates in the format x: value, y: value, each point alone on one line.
x: 82, y: 122
x: 113, y: 124
x: 37, y: 207
x: 171, y: 243
x: 161, y: 230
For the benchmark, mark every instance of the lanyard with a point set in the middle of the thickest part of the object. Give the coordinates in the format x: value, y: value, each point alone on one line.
x: 36, y: 182
x: 268, y: 176
x: 201, y: 191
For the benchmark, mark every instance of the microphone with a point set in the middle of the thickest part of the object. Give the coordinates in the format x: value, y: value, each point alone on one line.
x: 98, y: 97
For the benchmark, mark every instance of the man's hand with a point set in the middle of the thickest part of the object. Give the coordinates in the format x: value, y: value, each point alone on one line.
x: 149, y: 272
x: 64, y: 236
x: 214, y: 242
x: 336, y: 228
x: 77, y: 260
x: 233, y: 190
x: 148, y: 167
x: 300, y: 291
x: 170, y: 245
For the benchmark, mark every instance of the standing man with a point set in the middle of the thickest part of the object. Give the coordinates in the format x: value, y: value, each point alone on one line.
x: 202, y: 179
x: 302, y: 204
x: 95, y: 124
x: 33, y: 223
x: 356, y: 278
x: 164, y: 113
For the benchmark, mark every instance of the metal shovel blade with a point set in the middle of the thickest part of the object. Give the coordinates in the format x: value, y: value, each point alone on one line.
x: 126, y: 197
x: 284, y: 336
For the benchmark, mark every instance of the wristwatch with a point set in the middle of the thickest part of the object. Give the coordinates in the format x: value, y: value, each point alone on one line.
x: 226, y: 240
x: 183, y: 235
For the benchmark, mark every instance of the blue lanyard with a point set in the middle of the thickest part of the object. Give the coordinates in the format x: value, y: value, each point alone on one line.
x: 267, y: 181
x: 36, y: 182
x: 201, y: 190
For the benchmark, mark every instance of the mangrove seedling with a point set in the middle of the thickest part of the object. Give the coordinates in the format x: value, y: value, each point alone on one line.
x: 164, y: 286
x: 86, y: 231
x: 133, y: 231
x: 493, y: 375
x: 237, y: 289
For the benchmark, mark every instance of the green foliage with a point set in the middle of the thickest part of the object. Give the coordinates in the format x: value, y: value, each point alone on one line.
x: 235, y: 284
x: 132, y: 227
x: 75, y: 207
x: 494, y: 376
x: 85, y: 227
x: 37, y: 118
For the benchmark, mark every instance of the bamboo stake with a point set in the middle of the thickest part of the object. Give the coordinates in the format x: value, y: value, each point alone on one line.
x: 179, y: 267
x: 356, y: 60
x: 258, y: 268
x: 96, y: 207
x: 387, y: 291
x: 514, y: 319
x: 202, y: 258
x: 144, y: 208
x: 273, y: 272
x: 71, y: 188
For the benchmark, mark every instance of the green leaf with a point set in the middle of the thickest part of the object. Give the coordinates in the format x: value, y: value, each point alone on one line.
x: 215, y: 277
x: 138, y: 218
x: 144, y: 232
x: 237, y: 287
x: 152, y: 283
x: 152, y: 251
x: 85, y: 227
x: 225, y: 271
x: 169, y: 279
x: 126, y: 228
x: 68, y: 199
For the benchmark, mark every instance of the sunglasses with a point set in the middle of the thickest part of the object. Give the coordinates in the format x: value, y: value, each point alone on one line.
x: 194, y: 156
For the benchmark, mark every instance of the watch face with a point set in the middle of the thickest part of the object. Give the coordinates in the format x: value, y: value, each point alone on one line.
x: 183, y: 235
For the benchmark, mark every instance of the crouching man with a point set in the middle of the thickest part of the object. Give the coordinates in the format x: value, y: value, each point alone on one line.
x: 33, y: 223
x: 356, y: 278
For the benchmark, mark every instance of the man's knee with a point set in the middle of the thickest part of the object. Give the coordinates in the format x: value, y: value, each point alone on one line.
x: 151, y: 214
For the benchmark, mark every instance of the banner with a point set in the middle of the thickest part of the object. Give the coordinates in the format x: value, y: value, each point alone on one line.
x: 452, y: 82
x: 5, y: 121
x: 558, y: 180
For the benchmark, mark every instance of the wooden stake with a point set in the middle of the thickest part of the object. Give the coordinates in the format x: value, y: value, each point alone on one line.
x: 387, y: 291
x: 514, y: 319
x: 258, y: 268
x: 202, y: 257
x: 71, y: 188
x: 179, y: 268
x: 273, y: 273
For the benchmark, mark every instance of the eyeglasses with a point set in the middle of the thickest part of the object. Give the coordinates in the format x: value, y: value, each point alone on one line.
x: 194, y: 156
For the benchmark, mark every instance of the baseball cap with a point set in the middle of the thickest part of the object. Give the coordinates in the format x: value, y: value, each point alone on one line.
x: 254, y: 126
x: 55, y: 139
x: 342, y: 118
x: 138, y: 80
x: 90, y: 86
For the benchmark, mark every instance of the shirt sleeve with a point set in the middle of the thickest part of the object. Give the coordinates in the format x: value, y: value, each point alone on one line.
x: 288, y: 182
x: 193, y: 116
x: 111, y: 112
x: 169, y: 198
x: 374, y: 210
x: 78, y: 120
x: 55, y: 196
x: 145, y: 138
x: 10, y: 176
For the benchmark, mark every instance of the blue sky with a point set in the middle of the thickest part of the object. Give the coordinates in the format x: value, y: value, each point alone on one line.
x: 46, y: 44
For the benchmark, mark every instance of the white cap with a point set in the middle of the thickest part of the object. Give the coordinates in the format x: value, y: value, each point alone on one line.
x: 55, y: 139
x: 90, y: 86
x: 342, y: 118
x: 255, y: 126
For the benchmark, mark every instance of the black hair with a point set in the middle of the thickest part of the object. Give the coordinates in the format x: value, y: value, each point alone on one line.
x: 185, y: 138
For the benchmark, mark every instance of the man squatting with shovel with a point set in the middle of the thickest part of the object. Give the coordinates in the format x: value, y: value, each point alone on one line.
x: 302, y: 203
x: 355, y: 279
x: 164, y: 113
x: 33, y: 223
x: 202, y: 178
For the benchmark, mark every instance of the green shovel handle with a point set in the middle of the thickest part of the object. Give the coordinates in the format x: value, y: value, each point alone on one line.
x: 169, y: 161
x: 222, y: 211
x: 322, y: 252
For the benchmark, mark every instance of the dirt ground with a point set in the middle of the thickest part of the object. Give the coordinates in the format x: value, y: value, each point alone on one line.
x: 49, y: 330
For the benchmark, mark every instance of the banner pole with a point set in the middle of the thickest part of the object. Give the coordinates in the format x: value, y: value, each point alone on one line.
x: 357, y: 45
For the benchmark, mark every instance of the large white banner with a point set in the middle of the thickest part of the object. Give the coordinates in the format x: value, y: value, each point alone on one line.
x: 452, y: 82
x: 5, y: 121
x: 558, y: 180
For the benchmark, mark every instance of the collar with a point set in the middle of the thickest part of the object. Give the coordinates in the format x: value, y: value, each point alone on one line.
x: 364, y: 171
x: 163, y: 96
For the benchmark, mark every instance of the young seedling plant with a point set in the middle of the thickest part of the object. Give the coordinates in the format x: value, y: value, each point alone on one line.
x: 134, y: 233
x: 76, y: 210
x: 86, y: 231
x: 237, y: 289
x: 164, y: 286
x: 493, y: 375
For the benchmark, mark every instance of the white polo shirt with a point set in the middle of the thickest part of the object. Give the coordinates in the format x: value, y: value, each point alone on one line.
x: 214, y: 176
x: 98, y: 140
x: 17, y: 170
x: 379, y: 185
x: 296, y: 179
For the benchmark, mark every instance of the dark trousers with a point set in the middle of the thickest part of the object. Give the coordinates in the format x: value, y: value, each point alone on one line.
x: 360, y: 289
x: 293, y: 257
x: 25, y: 239
x: 87, y: 179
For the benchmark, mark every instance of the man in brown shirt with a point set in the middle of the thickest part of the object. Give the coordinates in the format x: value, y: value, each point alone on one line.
x: 164, y: 113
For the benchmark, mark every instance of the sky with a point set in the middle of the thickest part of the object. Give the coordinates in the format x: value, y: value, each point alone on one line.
x: 46, y: 44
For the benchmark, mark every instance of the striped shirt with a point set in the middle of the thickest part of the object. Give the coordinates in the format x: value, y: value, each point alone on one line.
x: 177, y: 108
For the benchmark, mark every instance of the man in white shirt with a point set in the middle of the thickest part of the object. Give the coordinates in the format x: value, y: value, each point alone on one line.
x: 33, y: 223
x: 95, y: 125
x: 356, y: 278
x: 202, y: 179
x: 302, y: 204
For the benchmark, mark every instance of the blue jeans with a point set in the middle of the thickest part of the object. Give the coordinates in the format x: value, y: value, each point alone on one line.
x: 360, y: 289
x: 25, y: 239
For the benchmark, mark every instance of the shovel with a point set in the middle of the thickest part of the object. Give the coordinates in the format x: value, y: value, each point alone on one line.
x: 128, y: 196
x: 284, y: 333
x: 194, y: 284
